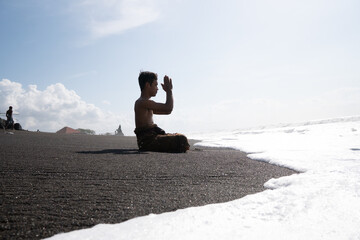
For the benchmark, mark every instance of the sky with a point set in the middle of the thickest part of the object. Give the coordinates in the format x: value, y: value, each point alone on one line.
x: 234, y: 64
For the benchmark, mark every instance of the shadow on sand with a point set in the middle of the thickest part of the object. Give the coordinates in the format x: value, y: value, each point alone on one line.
x: 114, y: 151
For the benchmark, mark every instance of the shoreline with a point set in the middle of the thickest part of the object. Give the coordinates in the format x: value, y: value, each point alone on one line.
x: 53, y: 183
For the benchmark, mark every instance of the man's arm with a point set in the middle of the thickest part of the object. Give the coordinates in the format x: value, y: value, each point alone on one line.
x: 169, y: 104
x: 166, y: 108
x: 159, y: 108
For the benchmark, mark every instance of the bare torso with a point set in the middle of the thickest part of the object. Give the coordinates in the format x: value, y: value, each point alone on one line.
x: 143, y: 115
x: 145, y: 108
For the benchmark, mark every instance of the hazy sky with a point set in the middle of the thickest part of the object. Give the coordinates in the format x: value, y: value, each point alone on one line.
x: 234, y: 64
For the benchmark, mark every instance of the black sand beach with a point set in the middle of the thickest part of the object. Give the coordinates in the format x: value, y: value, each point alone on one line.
x: 52, y: 183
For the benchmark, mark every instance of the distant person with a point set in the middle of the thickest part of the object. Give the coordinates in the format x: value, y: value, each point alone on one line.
x: 9, y: 118
x: 149, y: 136
x: 119, y: 132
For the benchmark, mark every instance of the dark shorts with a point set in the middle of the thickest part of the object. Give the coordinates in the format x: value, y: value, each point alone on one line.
x: 155, y: 139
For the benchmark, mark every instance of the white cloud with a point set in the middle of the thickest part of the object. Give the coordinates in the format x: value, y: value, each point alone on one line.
x: 106, y: 102
x: 56, y: 107
x: 109, y: 17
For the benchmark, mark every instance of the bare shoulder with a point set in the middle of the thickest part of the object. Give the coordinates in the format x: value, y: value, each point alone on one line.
x: 143, y: 103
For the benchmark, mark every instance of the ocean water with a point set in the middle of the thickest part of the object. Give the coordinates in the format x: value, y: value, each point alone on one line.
x: 321, y: 202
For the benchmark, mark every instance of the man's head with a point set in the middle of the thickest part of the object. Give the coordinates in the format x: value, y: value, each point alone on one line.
x: 10, y: 107
x: 146, y: 77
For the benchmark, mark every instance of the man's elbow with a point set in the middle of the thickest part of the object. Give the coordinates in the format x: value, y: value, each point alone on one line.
x: 168, y: 111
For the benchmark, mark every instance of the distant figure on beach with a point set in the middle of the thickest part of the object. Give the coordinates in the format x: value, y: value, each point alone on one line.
x: 149, y: 136
x: 118, y: 132
x: 9, y: 118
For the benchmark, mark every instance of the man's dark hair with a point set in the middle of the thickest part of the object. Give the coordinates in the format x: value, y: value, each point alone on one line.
x: 145, y: 77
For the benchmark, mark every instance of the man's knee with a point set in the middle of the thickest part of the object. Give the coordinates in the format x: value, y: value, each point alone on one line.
x: 183, y: 144
x: 176, y: 143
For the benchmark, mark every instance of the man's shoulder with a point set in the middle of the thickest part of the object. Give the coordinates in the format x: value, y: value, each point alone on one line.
x: 143, y: 101
x: 143, y: 104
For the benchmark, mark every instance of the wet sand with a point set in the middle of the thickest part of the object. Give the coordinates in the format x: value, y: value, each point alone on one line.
x: 52, y: 183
